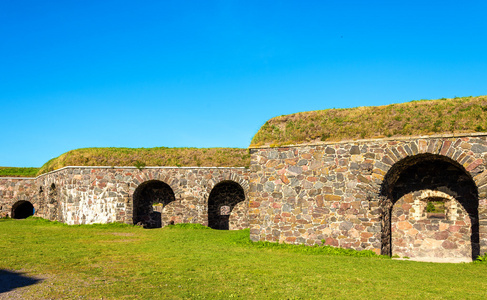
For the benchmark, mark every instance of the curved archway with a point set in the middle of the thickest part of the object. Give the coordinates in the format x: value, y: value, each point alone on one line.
x: 226, y: 206
x: 22, y: 209
x: 150, y: 198
x: 408, y: 229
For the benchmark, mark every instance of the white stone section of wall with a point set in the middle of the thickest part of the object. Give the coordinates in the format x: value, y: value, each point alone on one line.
x: 92, y: 209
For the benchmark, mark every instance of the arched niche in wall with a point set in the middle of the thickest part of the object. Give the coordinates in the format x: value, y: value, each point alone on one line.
x: 226, y: 206
x: 450, y: 229
x: 22, y: 209
x: 151, y: 198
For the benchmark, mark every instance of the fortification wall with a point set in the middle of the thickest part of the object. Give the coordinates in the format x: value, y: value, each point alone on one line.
x: 367, y: 194
x: 343, y: 194
x: 87, y: 195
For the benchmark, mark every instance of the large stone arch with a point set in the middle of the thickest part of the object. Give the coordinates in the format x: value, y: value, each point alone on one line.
x: 227, y: 206
x: 457, y: 149
x: 153, y: 202
x: 243, y: 206
x: 411, y: 179
x: 137, y: 183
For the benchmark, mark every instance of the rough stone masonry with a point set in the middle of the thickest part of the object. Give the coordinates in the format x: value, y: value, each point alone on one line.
x: 366, y: 194
x: 87, y: 195
x: 372, y: 194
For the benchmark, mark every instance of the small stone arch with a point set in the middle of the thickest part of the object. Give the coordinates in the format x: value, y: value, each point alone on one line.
x: 151, y: 200
x: 411, y: 181
x: 229, y: 176
x: 227, y: 206
x: 450, y: 206
x: 22, y: 209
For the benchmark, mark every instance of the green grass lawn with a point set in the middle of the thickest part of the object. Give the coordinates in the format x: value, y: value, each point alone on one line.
x: 126, y: 262
x: 18, y: 172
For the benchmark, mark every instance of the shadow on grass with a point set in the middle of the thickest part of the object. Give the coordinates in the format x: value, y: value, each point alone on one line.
x: 11, y: 280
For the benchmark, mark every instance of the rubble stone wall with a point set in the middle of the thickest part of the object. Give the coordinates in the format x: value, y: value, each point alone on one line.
x: 367, y: 194
x: 340, y: 193
x: 417, y: 233
x: 87, y: 195
x: 13, y: 189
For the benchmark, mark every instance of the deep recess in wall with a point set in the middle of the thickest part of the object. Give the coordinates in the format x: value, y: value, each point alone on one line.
x: 22, y: 210
x: 146, y: 196
x: 402, y: 188
x: 221, y: 203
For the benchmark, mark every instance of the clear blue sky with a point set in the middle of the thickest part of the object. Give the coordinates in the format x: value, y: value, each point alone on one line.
x: 79, y: 74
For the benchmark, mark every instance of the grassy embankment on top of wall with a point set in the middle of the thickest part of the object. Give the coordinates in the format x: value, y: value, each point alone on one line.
x: 141, y: 157
x: 18, y: 172
x: 424, y: 117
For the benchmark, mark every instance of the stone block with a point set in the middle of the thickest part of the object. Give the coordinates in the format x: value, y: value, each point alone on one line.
x: 329, y: 150
x: 354, y: 150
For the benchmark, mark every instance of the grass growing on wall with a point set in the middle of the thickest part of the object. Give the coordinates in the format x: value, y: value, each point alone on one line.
x: 425, y: 117
x: 18, y: 172
x: 193, y: 262
x: 141, y: 157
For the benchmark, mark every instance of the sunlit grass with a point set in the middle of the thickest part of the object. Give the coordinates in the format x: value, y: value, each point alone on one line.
x: 121, y: 261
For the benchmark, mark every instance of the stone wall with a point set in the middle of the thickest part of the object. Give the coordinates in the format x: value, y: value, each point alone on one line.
x: 368, y: 194
x: 13, y: 190
x: 87, y: 195
x: 417, y: 233
x: 343, y: 193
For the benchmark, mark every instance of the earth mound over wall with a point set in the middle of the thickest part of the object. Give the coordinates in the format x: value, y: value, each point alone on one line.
x: 160, y: 156
x: 457, y: 115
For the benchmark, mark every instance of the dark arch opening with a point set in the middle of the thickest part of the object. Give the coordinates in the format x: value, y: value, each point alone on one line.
x: 429, y: 172
x: 150, y: 194
x: 221, y: 202
x: 22, y: 210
